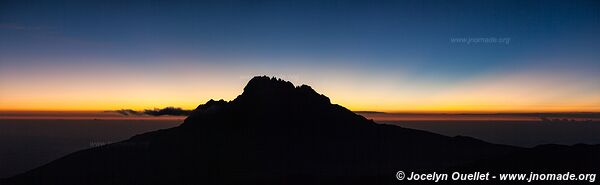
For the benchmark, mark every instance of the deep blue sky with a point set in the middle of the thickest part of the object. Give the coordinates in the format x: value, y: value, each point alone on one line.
x: 371, y: 37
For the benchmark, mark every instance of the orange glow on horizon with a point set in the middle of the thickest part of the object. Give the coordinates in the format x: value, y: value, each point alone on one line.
x: 349, y: 105
x: 97, y: 88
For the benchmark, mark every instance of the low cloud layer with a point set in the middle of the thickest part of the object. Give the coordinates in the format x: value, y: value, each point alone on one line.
x: 167, y: 111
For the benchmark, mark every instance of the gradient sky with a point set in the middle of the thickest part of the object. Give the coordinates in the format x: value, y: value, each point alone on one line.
x: 365, y: 55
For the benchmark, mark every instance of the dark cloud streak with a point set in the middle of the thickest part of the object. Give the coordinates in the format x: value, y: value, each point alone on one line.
x: 167, y: 111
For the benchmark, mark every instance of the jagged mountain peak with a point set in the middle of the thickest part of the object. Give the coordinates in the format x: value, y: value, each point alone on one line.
x: 269, y: 97
x: 270, y: 90
x: 264, y: 83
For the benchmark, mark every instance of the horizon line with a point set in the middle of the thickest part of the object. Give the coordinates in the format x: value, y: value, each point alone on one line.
x: 355, y: 111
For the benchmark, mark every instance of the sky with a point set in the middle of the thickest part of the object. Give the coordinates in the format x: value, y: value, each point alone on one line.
x: 394, y: 56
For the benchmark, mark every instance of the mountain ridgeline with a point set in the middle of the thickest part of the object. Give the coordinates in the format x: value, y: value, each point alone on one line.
x: 278, y: 133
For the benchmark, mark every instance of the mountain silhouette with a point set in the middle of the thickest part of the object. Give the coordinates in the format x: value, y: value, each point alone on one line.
x: 278, y: 133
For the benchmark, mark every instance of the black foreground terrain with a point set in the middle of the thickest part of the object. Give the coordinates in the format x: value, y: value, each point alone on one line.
x: 276, y: 133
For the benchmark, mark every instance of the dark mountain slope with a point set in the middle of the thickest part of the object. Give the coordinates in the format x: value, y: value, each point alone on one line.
x: 272, y: 133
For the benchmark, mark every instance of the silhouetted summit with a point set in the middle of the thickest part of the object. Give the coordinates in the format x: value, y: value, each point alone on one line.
x: 265, y: 91
x: 277, y: 133
x: 273, y: 89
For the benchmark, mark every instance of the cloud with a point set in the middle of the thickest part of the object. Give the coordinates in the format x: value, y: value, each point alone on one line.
x: 171, y: 111
x: 167, y: 111
x: 127, y: 112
